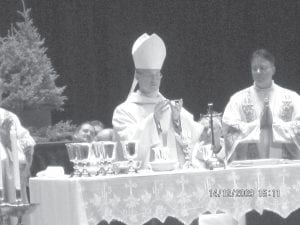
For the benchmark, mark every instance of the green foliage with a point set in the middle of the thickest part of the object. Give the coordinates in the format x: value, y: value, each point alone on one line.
x: 62, y: 131
x: 27, y: 75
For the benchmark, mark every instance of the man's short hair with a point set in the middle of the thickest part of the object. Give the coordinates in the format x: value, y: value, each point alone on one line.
x: 265, y: 54
x: 81, y: 125
x: 106, y: 134
x: 96, y: 123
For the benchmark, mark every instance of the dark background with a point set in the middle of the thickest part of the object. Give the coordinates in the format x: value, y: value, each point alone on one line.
x: 208, y: 47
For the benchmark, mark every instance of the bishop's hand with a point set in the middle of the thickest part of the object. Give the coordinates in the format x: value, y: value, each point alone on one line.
x: 159, y: 109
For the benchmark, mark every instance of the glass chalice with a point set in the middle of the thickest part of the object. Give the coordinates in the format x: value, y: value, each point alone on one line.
x: 130, y: 153
x: 100, y: 156
x: 109, y: 148
x: 83, y: 151
x: 72, y: 153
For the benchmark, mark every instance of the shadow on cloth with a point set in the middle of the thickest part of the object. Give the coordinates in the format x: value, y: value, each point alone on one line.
x: 271, y: 218
x: 169, y: 221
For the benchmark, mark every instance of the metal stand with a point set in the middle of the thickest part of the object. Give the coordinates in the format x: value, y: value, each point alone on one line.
x: 17, y: 209
x: 214, y: 161
x: 4, y: 219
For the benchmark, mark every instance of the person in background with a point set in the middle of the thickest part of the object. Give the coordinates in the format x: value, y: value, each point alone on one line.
x: 98, y: 126
x: 263, y: 120
x: 107, y: 134
x: 84, y: 133
x: 24, y: 144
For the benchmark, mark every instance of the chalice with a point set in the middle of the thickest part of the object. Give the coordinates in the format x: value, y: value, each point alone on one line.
x: 72, y: 153
x: 99, y: 154
x: 129, y: 149
x: 109, y: 148
x: 83, y: 151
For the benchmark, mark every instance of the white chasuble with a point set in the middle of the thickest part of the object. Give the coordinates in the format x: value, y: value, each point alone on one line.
x: 241, y: 122
x: 133, y: 120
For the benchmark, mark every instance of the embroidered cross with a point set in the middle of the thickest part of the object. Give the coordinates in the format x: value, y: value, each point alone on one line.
x: 182, y: 182
x: 130, y: 185
x: 156, y: 188
x: 105, y: 191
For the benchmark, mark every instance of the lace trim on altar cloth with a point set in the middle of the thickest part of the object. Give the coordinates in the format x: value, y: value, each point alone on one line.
x: 135, y: 200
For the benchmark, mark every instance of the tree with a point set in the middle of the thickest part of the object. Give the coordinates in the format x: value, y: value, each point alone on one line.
x: 26, y: 73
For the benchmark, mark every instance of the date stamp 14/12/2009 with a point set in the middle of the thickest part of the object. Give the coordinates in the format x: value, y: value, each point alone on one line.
x: 244, y: 193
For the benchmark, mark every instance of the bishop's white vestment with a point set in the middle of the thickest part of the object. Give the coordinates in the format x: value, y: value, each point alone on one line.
x: 133, y: 120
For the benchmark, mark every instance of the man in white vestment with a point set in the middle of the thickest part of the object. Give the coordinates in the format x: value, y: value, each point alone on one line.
x: 24, y: 144
x: 263, y: 120
x: 146, y: 115
x: 150, y: 118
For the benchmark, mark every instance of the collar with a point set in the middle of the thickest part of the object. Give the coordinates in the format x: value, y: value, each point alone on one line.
x: 138, y: 97
x: 256, y: 88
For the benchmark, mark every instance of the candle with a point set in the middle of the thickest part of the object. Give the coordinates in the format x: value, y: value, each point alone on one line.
x: 14, y: 149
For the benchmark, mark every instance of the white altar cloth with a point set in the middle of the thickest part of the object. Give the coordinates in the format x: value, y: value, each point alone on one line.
x: 134, y: 199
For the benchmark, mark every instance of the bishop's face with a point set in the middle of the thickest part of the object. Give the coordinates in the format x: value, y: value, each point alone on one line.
x: 262, y: 72
x: 149, y: 81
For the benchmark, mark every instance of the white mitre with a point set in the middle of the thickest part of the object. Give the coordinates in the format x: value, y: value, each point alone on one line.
x: 148, y: 52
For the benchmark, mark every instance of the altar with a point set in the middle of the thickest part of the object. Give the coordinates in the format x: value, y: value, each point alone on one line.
x: 184, y: 194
